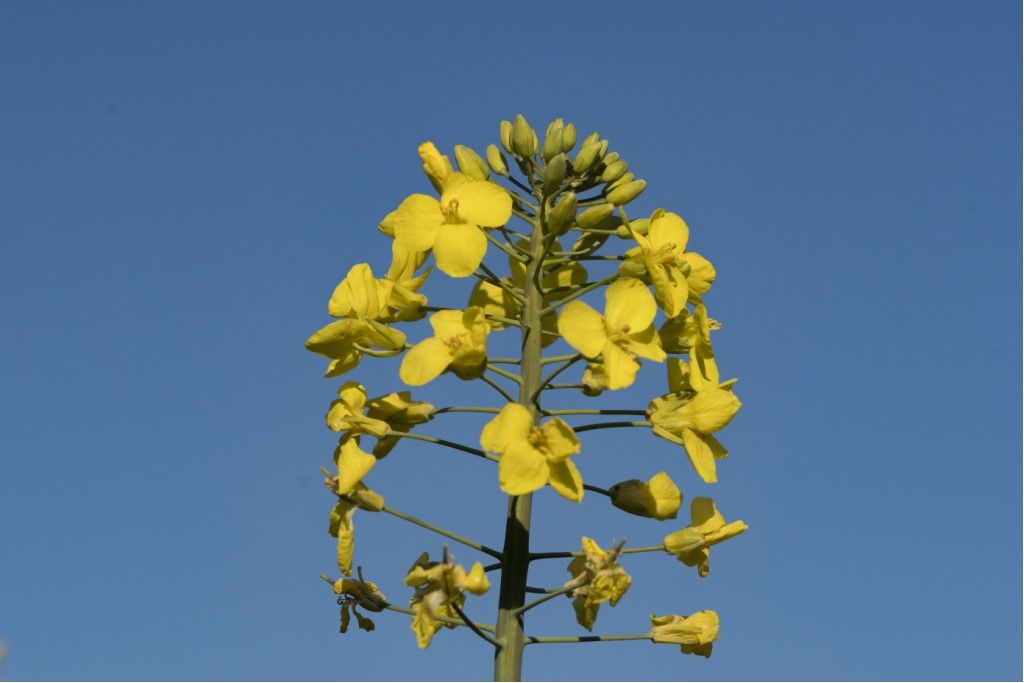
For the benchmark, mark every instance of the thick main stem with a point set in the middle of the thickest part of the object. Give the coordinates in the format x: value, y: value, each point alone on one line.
x: 508, y: 658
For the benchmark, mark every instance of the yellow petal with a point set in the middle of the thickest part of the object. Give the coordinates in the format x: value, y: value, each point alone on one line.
x: 346, y: 547
x: 701, y: 457
x: 459, y: 248
x: 435, y: 165
x: 480, y: 202
x: 335, y: 340
x: 522, y: 469
x: 424, y: 362
x: 476, y: 581
x: 666, y: 495
x: 353, y: 464
x: 416, y: 222
x: 586, y: 612
x: 647, y: 344
x: 583, y: 328
x: 710, y: 410
x: 423, y: 624
x: 628, y: 303
x: 619, y: 365
x: 513, y: 423
x: 726, y: 532
x: 670, y: 288
x: 565, y: 479
x: 666, y: 229
x: 447, y: 323
x: 493, y: 300
x: 560, y: 439
x: 702, y: 273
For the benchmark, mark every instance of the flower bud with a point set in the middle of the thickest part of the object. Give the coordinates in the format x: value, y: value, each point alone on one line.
x: 505, y: 135
x: 568, y: 137
x: 640, y: 226
x: 435, y: 165
x: 470, y: 163
x: 524, y: 138
x: 496, y: 160
x: 609, y: 158
x: 588, y: 155
x: 659, y: 497
x: 560, y: 218
x: 624, y: 194
x: 626, y: 178
x: 554, y: 174
x: 614, y: 171
x: 387, y: 224
x: 593, y: 138
x: 552, y: 140
x: 593, y: 216
x: 683, y: 541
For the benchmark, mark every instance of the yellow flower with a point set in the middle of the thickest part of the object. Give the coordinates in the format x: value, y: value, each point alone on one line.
x: 625, y: 330
x: 694, y: 634
x: 400, y: 413
x: 691, y: 545
x: 435, y: 165
x: 353, y: 464
x: 459, y: 343
x: 696, y: 407
x: 532, y: 456
x: 392, y: 412
x: 405, y: 300
x: 439, y: 590
x: 361, y: 300
x: 661, y: 252
x: 454, y: 226
x: 658, y: 497
x: 596, y: 577
x: 341, y: 527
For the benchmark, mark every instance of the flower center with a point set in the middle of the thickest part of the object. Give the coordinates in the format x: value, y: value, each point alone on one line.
x: 666, y: 253
x: 538, y: 441
x: 451, y: 212
x: 453, y: 343
x: 619, y: 336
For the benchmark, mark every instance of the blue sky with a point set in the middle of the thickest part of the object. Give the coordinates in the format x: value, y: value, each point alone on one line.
x: 183, y: 184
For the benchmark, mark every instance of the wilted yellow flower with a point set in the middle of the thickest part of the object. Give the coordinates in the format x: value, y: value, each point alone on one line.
x: 353, y: 464
x: 595, y: 379
x: 624, y: 332
x: 346, y: 414
x: 439, y: 589
x: 532, y: 456
x: 357, y: 593
x: 459, y: 343
x: 400, y: 413
x: 691, y: 545
x: 694, y: 634
x: 340, y: 525
x: 696, y: 407
x: 454, y: 226
x: 596, y: 577
x: 658, y: 497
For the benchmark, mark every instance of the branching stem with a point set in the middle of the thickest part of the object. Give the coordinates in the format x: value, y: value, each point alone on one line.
x: 444, y: 442
x: 469, y: 543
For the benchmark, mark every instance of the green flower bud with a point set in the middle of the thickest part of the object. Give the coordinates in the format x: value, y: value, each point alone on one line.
x: 593, y: 216
x: 639, y: 225
x: 471, y: 163
x: 613, y: 171
x: 560, y: 218
x: 610, y: 157
x: 588, y: 155
x: 626, y: 178
x: 505, y: 135
x: 554, y: 174
x: 496, y: 160
x: 624, y: 194
x: 593, y: 138
x: 524, y: 138
x: 568, y: 137
x: 552, y: 140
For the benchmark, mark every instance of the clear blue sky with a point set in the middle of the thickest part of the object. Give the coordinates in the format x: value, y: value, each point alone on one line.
x: 182, y: 185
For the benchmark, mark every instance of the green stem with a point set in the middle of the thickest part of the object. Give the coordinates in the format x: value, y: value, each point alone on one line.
x: 558, y: 359
x: 556, y: 372
x: 443, y: 442
x: 579, y: 292
x: 473, y: 627
x: 595, y: 411
x: 495, y: 280
x: 469, y: 543
x: 548, y: 596
x: 467, y: 409
x: 505, y: 361
x: 504, y: 247
x: 504, y: 373
x: 442, y: 619
x: 558, y: 554
x: 540, y: 640
x: 609, y: 425
x: 500, y: 389
x: 597, y: 489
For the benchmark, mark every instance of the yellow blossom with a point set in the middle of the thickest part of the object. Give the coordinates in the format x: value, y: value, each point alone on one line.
x: 532, y: 456
x: 341, y: 527
x: 596, y: 577
x: 694, y: 634
x: 661, y: 252
x: 454, y: 226
x: 360, y: 295
x: 400, y: 413
x: 405, y: 300
x: 658, y: 497
x: 346, y: 414
x: 696, y: 407
x: 691, y: 545
x: 459, y: 343
x: 624, y: 332
x: 439, y: 588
